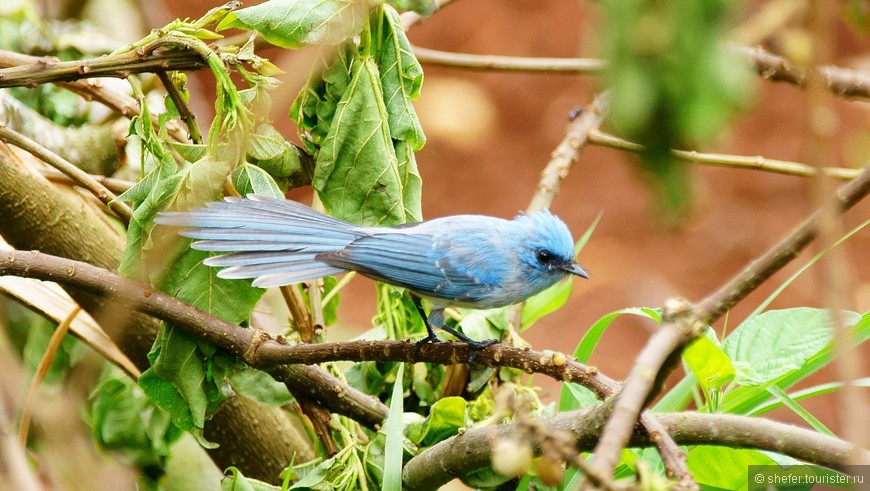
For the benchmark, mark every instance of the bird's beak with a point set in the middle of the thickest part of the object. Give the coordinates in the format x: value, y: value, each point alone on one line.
x: 574, y: 268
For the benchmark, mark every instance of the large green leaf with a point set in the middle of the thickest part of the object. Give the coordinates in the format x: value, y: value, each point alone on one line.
x: 357, y: 174
x: 774, y: 343
x: 401, y: 79
x: 745, y: 399
x: 314, y: 107
x: 723, y: 467
x: 295, y: 23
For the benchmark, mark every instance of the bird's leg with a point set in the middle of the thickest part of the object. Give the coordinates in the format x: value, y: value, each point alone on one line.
x: 436, y: 319
x: 431, y: 337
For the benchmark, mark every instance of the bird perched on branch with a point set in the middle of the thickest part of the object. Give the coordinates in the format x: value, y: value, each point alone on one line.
x: 465, y: 260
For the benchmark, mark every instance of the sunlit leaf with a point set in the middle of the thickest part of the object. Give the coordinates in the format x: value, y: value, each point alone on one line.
x: 295, y: 23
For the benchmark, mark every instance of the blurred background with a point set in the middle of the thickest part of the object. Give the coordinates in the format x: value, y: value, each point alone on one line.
x: 491, y: 134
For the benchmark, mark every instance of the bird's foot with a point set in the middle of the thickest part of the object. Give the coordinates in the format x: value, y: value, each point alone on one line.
x: 431, y: 338
x: 477, y: 346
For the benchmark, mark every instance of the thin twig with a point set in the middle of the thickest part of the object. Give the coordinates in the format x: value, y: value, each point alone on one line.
x: 44, y: 364
x: 318, y: 416
x: 117, y: 186
x: 81, y: 177
x: 839, y: 81
x: 598, y: 137
x: 183, y: 109
x: 496, y: 63
x: 121, y: 65
x: 299, y: 312
x: 568, y: 151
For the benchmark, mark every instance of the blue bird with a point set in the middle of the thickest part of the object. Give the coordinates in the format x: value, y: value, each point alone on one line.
x: 465, y: 260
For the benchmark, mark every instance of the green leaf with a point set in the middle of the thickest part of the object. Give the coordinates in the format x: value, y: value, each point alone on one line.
x: 484, y: 324
x: 235, y: 481
x: 357, y: 175
x: 579, y: 397
x: 249, y: 179
x: 546, y: 302
x: 39, y: 332
x: 319, y: 474
x: 593, y: 335
x: 270, y: 151
x: 393, y: 445
x: 780, y: 341
x: 813, y: 391
x: 260, y: 386
x: 124, y: 420
x: 422, y: 7
x: 367, y: 377
x: 295, y: 23
x: 709, y: 363
x: 800, y: 411
x: 314, y: 108
x: 723, y: 467
x: 412, y: 184
x: 679, y: 397
x: 445, y: 419
x: 190, y: 152
x: 401, y: 79
x: 746, y: 399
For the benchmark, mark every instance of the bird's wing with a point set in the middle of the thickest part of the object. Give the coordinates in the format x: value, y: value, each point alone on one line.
x: 413, y: 261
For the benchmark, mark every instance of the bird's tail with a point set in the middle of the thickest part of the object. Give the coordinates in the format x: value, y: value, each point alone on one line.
x: 274, y: 241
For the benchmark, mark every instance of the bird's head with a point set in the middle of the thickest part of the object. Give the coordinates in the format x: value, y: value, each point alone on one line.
x: 547, y: 251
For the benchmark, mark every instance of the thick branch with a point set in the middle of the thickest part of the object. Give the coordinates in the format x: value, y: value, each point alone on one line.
x: 93, y: 148
x: 470, y: 451
x: 37, y: 215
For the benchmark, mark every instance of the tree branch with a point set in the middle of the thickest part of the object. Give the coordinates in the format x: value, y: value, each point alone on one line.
x: 840, y: 81
x: 679, y: 328
x: 598, y: 137
x: 496, y: 63
x: 470, y: 451
x: 568, y: 151
x: 92, y: 89
x: 122, y: 65
x: 763, y: 267
x: 81, y: 177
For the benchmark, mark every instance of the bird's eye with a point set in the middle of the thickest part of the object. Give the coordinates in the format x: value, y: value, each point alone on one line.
x: 543, y: 257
